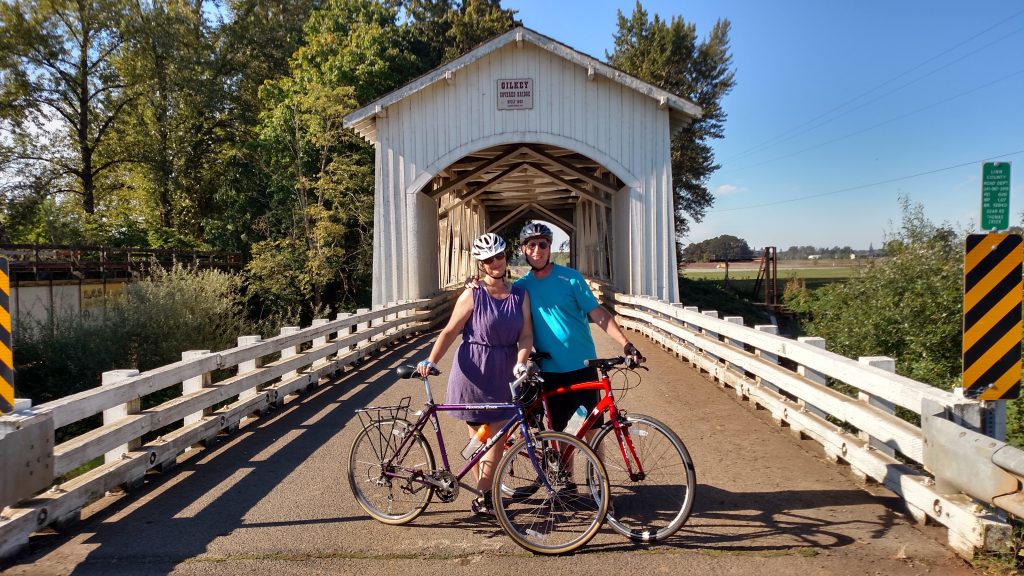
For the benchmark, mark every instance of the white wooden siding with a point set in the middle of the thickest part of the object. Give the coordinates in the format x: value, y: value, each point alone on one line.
x: 613, y: 124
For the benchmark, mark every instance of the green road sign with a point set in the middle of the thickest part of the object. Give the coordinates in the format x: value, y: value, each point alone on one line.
x: 995, y: 196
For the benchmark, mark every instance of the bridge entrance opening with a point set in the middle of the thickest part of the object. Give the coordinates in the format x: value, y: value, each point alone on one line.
x: 499, y: 188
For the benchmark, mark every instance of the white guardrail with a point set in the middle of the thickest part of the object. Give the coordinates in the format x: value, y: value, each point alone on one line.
x: 262, y: 374
x: 944, y: 470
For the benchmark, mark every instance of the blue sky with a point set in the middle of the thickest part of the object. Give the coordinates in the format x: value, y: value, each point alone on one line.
x: 841, y: 108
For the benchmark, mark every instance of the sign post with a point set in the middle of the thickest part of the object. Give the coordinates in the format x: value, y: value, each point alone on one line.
x: 6, y: 350
x: 995, y: 196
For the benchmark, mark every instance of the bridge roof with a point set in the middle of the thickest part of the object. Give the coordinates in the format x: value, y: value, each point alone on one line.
x: 364, y: 120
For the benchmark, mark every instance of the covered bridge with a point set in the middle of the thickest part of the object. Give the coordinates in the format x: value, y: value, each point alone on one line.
x: 522, y: 128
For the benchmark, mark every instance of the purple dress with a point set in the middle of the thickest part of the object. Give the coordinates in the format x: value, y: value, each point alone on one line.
x: 483, y: 363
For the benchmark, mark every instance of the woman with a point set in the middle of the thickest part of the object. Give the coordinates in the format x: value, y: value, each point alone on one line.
x: 497, y: 335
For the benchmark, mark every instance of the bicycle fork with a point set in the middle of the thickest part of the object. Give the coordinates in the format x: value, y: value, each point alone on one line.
x: 634, y: 466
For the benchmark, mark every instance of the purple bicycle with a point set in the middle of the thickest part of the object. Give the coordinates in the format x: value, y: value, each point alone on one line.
x: 554, y: 510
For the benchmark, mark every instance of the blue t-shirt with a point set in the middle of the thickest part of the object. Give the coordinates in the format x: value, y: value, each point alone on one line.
x: 560, y: 304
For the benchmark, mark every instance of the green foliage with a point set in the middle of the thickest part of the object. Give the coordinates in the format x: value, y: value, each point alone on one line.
x: 713, y: 296
x: 277, y: 279
x: 669, y: 55
x: 442, y: 30
x: 176, y: 130
x: 908, y: 307
x: 61, y: 95
x: 724, y: 247
x: 317, y: 209
x: 150, y: 325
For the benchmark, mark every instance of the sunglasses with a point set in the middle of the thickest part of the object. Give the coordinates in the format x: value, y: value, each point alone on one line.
x: 498, y: 256
x: 535, y: 245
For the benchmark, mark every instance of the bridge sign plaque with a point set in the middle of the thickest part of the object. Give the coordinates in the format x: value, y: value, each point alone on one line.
x: 995, y: 196
x: 515, y: 94
x: 992, y: 316
x: 6, y: 354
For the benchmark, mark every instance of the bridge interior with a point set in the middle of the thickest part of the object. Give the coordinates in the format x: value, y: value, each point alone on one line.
x: 489, y: 190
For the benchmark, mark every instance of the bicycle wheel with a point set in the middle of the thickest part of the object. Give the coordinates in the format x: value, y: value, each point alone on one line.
x: 651, y: 506
x: 554, y: 520
x: 384, y: 485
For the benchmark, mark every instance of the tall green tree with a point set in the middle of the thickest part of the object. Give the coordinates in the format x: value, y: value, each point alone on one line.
x: 724, y: 247
x: 60, y: 95
x: 669, y: 55
x: 174, y: 131
x: 315, y: 213
x: 257, y: 41
x: 318, y: 205
x: 443, y: 30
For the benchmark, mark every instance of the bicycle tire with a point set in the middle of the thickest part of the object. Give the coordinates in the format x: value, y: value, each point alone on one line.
x: 555, y: 520
x: 395, y: 499
x: 652, y: 508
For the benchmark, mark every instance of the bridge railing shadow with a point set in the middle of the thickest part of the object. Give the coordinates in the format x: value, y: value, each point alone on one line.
x: 220, y: 490
x: 260, y: 374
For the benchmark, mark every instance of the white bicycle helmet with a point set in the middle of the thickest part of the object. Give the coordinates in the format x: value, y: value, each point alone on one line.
x: 533, y: 230
x: 487, y: 245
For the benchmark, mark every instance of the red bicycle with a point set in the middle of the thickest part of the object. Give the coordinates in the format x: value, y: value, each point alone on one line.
x: 653, y: 480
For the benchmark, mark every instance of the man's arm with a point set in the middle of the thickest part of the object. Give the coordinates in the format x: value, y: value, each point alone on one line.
x: 606, y: 321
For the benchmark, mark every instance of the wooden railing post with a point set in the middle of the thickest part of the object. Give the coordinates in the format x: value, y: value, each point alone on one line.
x: 692, y: 328
x: 249, y: 365
x: 738, y: 344
x: 710, y: 334
x: 342, y: 333
x: 889, y: 365
x: 767, y: 356
x: 377, y: 322
x: 195, y: 384
x: 812, y: 375
x: 290, y: 352
x: 318, y: 342
x: 389, y: 319
x: 402, y: 315
x: 362, y: 344
x: 112, y: 415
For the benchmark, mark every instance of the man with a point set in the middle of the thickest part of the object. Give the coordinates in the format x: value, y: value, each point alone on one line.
x: 562, y: 306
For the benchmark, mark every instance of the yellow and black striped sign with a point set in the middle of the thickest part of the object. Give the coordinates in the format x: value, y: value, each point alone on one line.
x: 992, y: 316
x: 6, y: 355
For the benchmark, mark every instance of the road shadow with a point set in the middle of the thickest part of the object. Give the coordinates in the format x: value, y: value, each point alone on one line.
x: 175, y: 515
x: 779, y: 521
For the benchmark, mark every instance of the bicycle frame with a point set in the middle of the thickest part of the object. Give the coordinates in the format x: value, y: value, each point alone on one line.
x: 607, y: 404
x: 429, y: 414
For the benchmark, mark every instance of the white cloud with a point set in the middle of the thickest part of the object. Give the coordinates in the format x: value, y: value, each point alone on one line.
x: 728, y: 189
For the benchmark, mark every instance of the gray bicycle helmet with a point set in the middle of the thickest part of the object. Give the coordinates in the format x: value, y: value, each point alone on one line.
x: 534, y: 230
x: 488, y: 245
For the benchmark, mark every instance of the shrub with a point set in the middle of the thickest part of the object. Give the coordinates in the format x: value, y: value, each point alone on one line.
x: 908, y: 306
x: 150, y: 325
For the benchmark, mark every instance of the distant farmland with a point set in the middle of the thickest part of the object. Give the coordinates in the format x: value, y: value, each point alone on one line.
x: 814, y: 273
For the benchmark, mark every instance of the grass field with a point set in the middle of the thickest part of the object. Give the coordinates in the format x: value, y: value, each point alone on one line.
x: 837, y: 272
x: 707, y: 282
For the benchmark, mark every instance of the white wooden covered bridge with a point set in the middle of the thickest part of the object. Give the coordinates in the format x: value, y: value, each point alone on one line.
x: 523, y: 127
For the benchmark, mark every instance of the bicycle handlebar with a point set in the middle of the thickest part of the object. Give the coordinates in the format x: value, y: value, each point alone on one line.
x: 606, y: 364
x: 408, y: 371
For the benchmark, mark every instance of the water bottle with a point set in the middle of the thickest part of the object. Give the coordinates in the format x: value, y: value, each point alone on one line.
x: 578, y: 417
x: 478, y: 440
